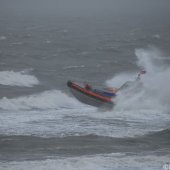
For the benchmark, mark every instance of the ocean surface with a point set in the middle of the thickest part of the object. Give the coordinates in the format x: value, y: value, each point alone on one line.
x: 42, y: 126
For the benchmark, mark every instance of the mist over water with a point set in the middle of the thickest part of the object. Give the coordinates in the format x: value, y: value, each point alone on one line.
x: 151, y: 91
x: 141, y: 104
x: 53, y: 99
x: 157, y: 80
x: 12, y: 78
x: 43, y: 44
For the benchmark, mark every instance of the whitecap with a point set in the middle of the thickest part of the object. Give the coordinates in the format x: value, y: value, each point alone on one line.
x: 12, y: 78
x: 94, y: 162
x: 2, y: 38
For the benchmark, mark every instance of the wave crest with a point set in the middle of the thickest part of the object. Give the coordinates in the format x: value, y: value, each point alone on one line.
x: 11, y: 78
x: 52, y: 99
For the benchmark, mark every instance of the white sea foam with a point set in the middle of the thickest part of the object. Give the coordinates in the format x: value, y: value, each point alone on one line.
x: 12, y: 78
x: 146, y: 101
x: 156, y: 81
x: 96, y: 162
x: 50, y: 113
x: 153, y: 93
x: 17, y: 43
x: 119, y: 79
x: 73, y: 67
x: 54, y: 114
x: 52, y: 99
x: 157, y: 36
x: 2, y: 38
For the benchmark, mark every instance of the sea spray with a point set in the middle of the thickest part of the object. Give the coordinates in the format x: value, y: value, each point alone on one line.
x: 154, y: 93
x: 156, y: 81
x: 21, y: 79
x: 52, y: 99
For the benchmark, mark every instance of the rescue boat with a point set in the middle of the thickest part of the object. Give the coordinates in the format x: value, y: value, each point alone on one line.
x: 89, y: 95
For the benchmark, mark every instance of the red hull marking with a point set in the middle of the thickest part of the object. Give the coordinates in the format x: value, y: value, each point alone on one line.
x: 75, y: 86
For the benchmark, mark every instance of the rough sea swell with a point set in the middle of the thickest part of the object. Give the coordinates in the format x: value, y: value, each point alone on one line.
x: 81, y: 145
x: 143, y: 107
x: 51, y: 125
x: 42, y: 126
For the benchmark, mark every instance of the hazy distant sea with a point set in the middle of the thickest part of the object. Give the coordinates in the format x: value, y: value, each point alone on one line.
x: 42, y: 126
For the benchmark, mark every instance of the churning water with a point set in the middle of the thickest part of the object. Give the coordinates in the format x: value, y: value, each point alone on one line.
x: 42, y: 126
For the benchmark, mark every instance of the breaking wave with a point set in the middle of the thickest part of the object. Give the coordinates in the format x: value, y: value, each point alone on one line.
x: 52, y: 99
x: 2, y: 38
x: 21, y: 79
x: 100, y: 162
x: 151, y: 92
x: 140, y: 109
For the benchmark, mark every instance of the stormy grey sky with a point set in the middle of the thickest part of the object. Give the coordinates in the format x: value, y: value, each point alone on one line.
x: 77, y: 7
